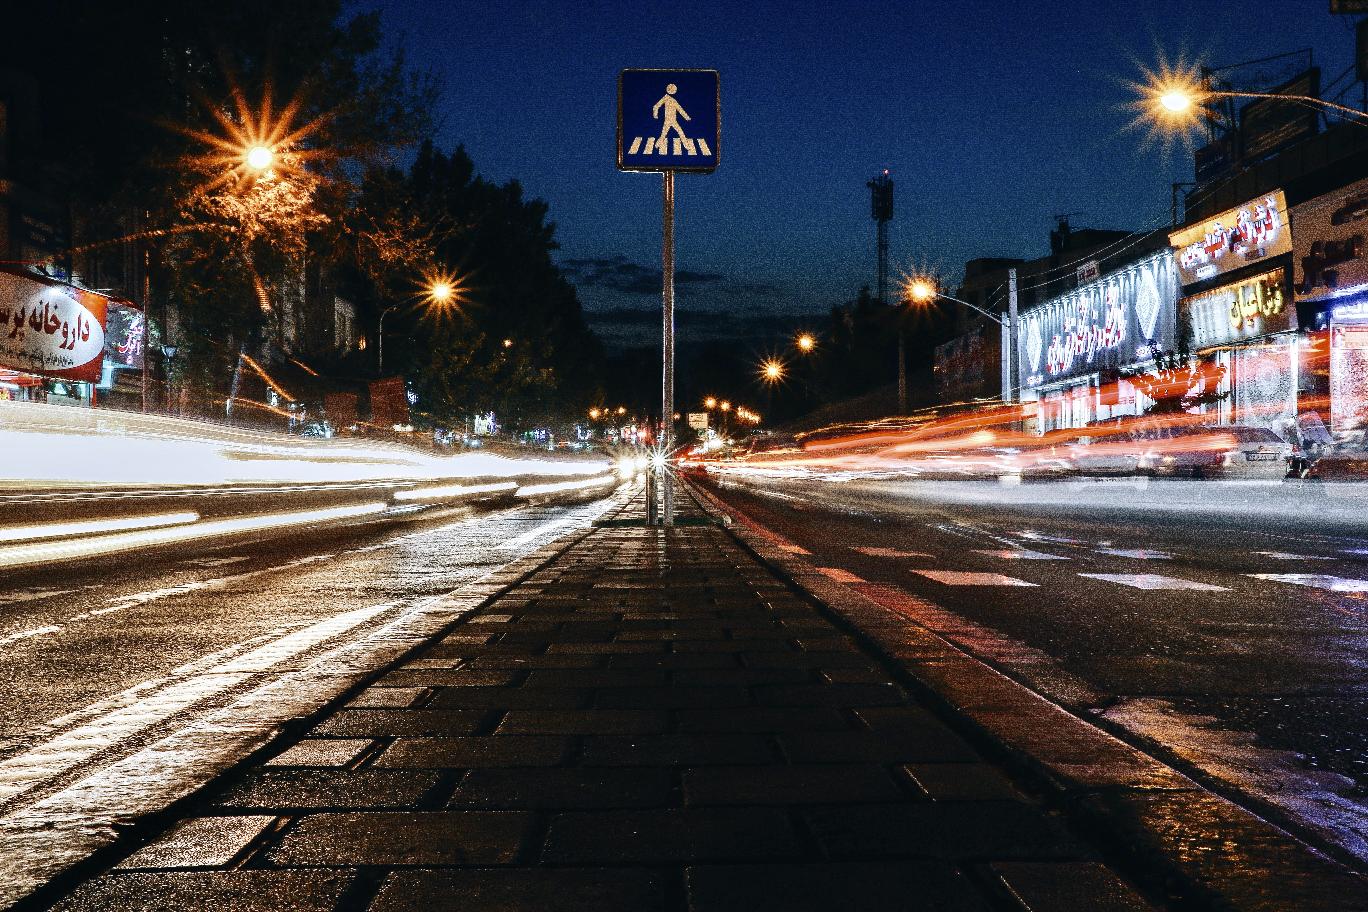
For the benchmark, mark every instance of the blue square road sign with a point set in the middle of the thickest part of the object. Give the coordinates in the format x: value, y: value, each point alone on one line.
x: 669, y: 120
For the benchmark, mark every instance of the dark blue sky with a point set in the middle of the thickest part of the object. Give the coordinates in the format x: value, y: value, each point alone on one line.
x: 992, y: 116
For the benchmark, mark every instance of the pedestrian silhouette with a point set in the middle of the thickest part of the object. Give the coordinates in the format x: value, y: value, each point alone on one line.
x: 673, y: 111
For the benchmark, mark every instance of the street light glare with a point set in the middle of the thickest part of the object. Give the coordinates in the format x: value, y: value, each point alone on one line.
x: 772, y: 371
x: 921, y: 290
x: 710, y: 402
x: 259, y: 158
x: 441, y: 292
x: 1176, y: 100
x: 806, y: 342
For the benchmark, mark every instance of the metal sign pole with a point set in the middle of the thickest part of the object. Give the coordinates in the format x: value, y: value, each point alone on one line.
x: 667, y: 326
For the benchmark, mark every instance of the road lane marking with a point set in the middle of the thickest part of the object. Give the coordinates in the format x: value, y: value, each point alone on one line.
x: 1136, y: 553
x: 839, y: 575
x: 71, y: 748
x: 1153, y: 581
x: 1287, y: 555
x: 957, y: 578
x: 27, y: 634
x: 1316, y: 581
x: 1054, y: 539
x: 889, y: 552
x: 1018, y: 554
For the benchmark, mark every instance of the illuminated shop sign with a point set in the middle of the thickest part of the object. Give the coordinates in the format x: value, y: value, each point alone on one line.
x: 1110, y: 323
x: 1328, y: 254
x: 1239, y: 311
x: 1235, y: 238
x: 51, y: 329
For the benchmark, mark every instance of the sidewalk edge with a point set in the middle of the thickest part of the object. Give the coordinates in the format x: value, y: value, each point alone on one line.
x: 1155, y: 816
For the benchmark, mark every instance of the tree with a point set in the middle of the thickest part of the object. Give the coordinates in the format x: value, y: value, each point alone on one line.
x: 516, y: 343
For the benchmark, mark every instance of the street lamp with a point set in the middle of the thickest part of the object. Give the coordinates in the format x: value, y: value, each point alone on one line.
x: 805, y: 343
x: 438, y: 292
x: 710, y: 403
x: 259, y: 158
x: 923, y: 290
x: 772, y: 371
x: 1178, y: 98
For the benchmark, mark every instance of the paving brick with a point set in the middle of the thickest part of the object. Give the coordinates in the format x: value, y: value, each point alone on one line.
x: 284, y: 790
x: 447, y: 677
x: 321, y: 752
x: 386, y: 697
x: 676, y: 750
x: 699, y: 834
x: 847, y: 695
x: 961, y: 782
x: 509, y: 698
x: 800, y: 659
x: 536, y: 661
x: 597, y: 677
x: 603, y: 648
x: 741, y: 677
x: 390, y: 838
x: 924, y: 886
x: 403, y: 723
x: 240, y: 891
x: 736, y: 646
x: 583, y: 722
x: 474, y: 753
x: 516, y: 789
x: 673, y: 697
x: 200, y: 842
x: 760, y: 719
x: 932, y: 743
x: 951, y: 830
x: 521, y: 889
x: 1068, y: 886
x: 674, y: 661
x: 824, y: 784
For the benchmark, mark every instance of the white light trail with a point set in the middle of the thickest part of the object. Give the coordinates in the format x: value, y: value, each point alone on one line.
x: 56, y: 551
x: 556, y: 486
x: 443, y: 492
x: 94, y: 526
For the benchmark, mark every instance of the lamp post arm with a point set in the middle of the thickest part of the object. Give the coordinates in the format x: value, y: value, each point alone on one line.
x: 974, y: 307
x: 1329, y: 105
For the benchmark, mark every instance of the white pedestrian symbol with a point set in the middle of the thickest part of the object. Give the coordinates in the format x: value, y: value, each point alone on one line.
x: 673, y: 111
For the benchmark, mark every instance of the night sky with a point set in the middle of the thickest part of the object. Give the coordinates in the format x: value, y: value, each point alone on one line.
x: 992, y: 117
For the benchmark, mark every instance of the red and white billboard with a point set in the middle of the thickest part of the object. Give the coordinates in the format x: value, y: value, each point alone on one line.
x: 51, y: 329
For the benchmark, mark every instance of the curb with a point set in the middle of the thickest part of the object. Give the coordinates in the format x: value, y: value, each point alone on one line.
x: 1217, y: 853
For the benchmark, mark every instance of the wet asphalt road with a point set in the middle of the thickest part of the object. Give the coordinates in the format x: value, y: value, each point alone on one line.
x: 80, y: 639
x: 1260, y: 682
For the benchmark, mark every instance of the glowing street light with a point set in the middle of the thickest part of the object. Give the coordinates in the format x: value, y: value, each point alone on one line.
x: 920, y: 289
x: 710, y: 402
x: 441, y: 292
x: 622, y: 409
x: 725, y: 406
x: 1178, y: 97
x: 806, y: 343
x: 594, y: 414
x: 259, y: 158
x: 772, y: 371
x: 507, y: 343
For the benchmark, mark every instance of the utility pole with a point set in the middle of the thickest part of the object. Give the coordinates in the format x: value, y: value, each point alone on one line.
x: 1012, y: 393
x: 667, y: 259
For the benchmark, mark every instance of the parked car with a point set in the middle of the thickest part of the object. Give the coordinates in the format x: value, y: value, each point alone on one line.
x: 1206, y: 451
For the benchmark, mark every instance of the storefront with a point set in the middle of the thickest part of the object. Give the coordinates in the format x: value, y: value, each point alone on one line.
x: 1331, y: 290
x: 52, y: 340
x: 1072, y: 349
x: 1237, y: 308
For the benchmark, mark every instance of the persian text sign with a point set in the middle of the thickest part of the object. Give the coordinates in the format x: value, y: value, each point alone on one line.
x: 1110, y: 323
x: 1244, y: 310
x: 54, y: 330
x: 1235, y: 238
x: 1330, y: 247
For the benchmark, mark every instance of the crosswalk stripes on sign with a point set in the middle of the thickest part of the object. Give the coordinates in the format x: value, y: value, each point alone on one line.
x: 656, y: 146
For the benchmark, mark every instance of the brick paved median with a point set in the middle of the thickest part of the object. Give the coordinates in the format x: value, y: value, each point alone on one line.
x: 650, y: 721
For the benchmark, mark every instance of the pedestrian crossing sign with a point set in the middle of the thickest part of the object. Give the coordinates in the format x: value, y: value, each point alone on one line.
x: 669, y: 120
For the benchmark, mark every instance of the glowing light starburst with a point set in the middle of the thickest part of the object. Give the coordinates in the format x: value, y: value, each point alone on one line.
x: 772, y: 370
x: 442, y: 292
x: 1169, y: 101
